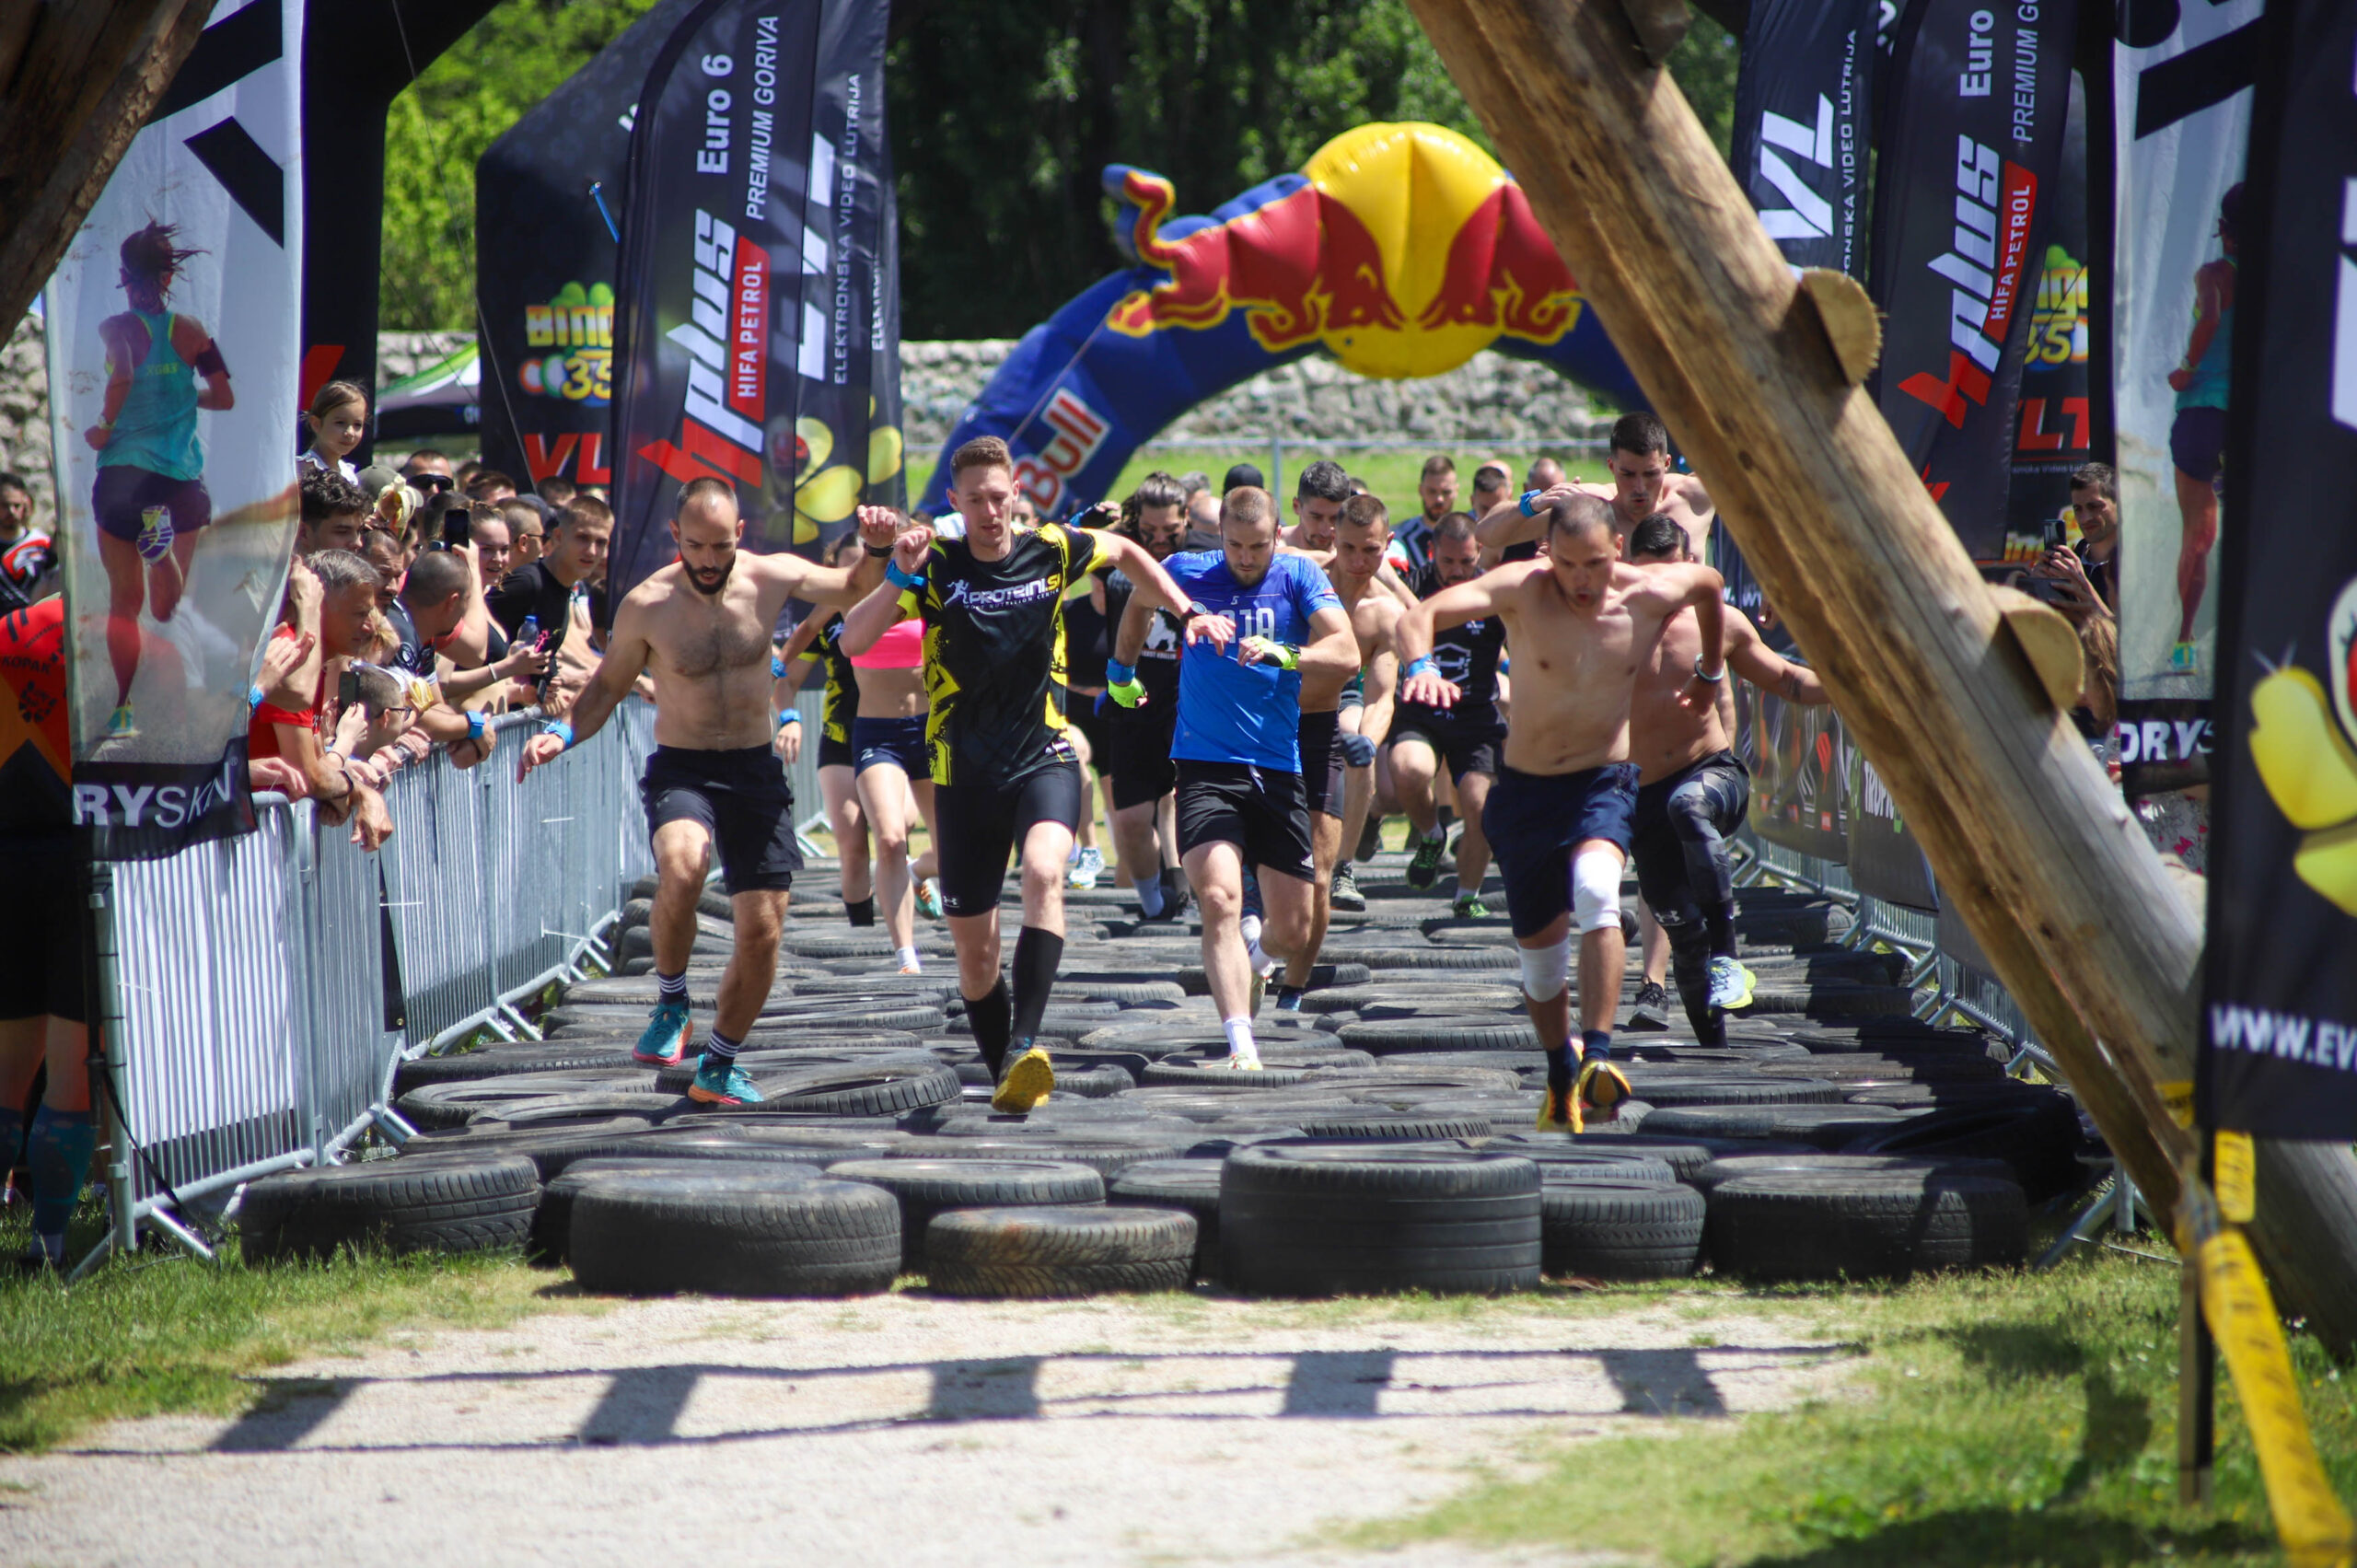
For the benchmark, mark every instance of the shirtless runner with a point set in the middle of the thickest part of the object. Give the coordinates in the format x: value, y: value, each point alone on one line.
x: 1692, y: 790
x: 701, y: 627
x: 1580, y: 624
x: 1642, y: 484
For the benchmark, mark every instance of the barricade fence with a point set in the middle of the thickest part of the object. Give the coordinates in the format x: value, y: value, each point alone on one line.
x: 270, y: 984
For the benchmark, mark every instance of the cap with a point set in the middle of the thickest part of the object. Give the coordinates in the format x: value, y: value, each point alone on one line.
x: 375, y: 477
x: 1242, y: 474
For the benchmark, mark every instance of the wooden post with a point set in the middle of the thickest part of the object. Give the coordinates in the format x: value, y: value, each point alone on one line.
x: 2032, y: 845
x: 77, y: 82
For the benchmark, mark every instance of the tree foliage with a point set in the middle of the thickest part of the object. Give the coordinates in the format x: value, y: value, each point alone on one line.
x: 1003, y: 112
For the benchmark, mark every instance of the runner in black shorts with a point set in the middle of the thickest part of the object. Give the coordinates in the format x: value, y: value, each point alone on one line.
x: 1272, y: 622
x: 1141, y: 713
x: 1003, y: 774
x: 813, y: 647
x: 1465, y: 738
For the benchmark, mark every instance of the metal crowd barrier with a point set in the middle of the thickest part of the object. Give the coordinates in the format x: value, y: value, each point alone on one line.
x: 262, y: 1023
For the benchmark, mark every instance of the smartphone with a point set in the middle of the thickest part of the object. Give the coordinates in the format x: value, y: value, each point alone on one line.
x: 2051, y: 535
x: 347, y: 689
x: 458, y: 525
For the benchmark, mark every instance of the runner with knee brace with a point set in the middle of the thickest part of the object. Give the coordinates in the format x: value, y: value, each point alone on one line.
x: 1692, y: 790
x: 1580, y: 623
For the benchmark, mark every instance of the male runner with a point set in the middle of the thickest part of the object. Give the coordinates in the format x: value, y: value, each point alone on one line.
x: 1581, y: 623
x: 1240, y: 749
x: 1145, y: 710
x: 1326, y: 746
x: 1642, y: 484
x: 701, y: 627
x: 1003, y: 773
x: 1693, y: 790
x: 1436, y: 488
x: 1465, y: 736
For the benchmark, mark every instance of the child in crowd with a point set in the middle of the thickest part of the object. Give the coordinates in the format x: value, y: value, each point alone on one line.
x: 338, y: 421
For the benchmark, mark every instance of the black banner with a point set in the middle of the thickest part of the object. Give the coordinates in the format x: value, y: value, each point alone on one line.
x: 1801, y: 126
x: 2054, y: 432
x: 2279, y: 1037
x: 757, y: 335
x: 544, y: 263
x: 1886, y: 860
x: 1966, y: 178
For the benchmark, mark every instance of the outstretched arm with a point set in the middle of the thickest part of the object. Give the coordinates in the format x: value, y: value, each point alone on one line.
x: 1752, y: 658
x: 626, y: 653
x: 1413, y: 638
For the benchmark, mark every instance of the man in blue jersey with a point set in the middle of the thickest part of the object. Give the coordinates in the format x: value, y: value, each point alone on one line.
x: 1261, y: 620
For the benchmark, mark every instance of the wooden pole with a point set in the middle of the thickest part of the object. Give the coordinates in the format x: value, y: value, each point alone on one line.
x: 2032, y: 845
x: 77, y: 82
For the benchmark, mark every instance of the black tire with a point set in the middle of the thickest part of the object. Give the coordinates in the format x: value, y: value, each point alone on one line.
x: 1825, y: 1127
x: 455, y: 1204
x: 1370, y: 1122
x: 859, y: 1089
x: 1046, y: 1252
x: 1461, y: 1033
x: 2038, y: 1135
x: 1179, y: 1070
x: 455, y: 1102
x: 1668, y: 1094
x: 1189, y: 1184
x: 1684, y: 1156
x: 1861, y: 1225
x: 1322, y: 977
x: 1726, y: 1168
x: 1182, y: 1033
x: 725, y: 1231
x: 505, y: 1060
x: 1395, y: 960
x: 1385, y: 1084
x: 1621, y: 1230
x: 1209, y: 1106
x: 1327, y: 1222
x: 1593, y: 1170
x: 551, y: 1234
x: 1107, y: 1156
x: 690, y: 1138
x: 1126, y: 992
x: 711, y: 902
x: 924, y: 1188
x: 1454, y: 997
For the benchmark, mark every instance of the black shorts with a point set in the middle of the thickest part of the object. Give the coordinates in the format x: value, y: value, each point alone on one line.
x: 1465, y: 749
x: 123, y: 496
x: 41, y: 931
x: 1141, y: 741
x: 1321, y: 762
x: 1262, y: 812
x: 742, y: 800
x: 1534, y: 821
x: 978, y: 825
x: 833, y: 753
x: 1719, y: 787
x: 2197, y: 443
x: 1082, y: 714
x: 898, y: 741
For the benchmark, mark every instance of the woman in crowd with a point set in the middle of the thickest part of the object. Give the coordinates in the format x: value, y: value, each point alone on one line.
x: 891, y: 764
x: 813, y: 647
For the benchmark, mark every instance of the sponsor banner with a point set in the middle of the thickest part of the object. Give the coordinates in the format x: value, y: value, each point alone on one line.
x: 2183, y: 76
x: 2164, y: 745
x: 173, y: 364
x: 1885, y: 861
x: 2054, y: 431
x: 2280, y: 1015
x: 1798, y: 758
x: 755, y: 341
x: 1967, y: 178
x: 544, y: 264
x: 1801, y: 126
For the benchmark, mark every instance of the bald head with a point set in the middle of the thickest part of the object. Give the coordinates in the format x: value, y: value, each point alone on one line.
x: 1544, y: 474
x: 1574, y: 515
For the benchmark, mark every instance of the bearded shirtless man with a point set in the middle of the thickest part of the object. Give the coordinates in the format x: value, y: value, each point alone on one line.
x: 1581, y: 624
x: 1692, y: 790
x: 701, y: 627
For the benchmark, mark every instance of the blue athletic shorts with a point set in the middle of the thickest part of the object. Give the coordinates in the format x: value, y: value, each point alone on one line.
x: 898, y: 741
x: 1534, y: 821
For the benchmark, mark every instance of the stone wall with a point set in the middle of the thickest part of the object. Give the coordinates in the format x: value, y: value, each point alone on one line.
x: 23, y: 418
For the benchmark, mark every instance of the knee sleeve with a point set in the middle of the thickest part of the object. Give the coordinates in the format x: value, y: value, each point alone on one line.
x: 1596, y: 890
x: 1546, y: 970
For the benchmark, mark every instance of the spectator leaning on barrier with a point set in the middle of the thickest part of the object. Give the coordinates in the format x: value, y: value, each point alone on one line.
x: 541, y: 592
x: 287, y: 722
x: 435, y: 599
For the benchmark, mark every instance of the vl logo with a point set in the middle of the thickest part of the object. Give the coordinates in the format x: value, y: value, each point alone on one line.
x: 1809, y: 215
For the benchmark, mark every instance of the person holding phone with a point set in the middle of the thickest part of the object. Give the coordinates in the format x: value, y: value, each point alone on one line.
x: 542, y: 591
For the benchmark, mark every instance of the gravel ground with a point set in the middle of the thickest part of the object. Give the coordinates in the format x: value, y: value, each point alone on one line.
x: 1158, y: 1431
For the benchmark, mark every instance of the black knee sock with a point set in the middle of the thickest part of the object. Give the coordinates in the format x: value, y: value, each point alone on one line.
x: 988, y: 1015
x: 860, y: 912
x: 1690, y: 961
x: 1718, y: 920
x: 1037, y: 954
x: 1559, y: 1067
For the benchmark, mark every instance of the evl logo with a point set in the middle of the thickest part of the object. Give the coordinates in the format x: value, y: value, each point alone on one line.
x: 1810, y: 216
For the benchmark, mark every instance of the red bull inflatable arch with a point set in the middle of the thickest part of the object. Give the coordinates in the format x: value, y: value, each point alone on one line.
x: 1400, y: 249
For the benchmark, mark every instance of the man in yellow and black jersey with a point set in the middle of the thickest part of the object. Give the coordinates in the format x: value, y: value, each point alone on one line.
x: 1004, y: 773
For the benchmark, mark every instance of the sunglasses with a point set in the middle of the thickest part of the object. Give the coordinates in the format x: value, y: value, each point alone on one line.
x: 441, y: 484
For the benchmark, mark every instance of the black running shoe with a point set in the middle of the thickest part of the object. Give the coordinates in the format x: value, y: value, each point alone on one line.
x: 1651, y: 1011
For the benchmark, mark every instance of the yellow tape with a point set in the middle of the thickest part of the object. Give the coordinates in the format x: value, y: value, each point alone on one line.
x: 2315, y: 1529
x: 2178, y: 1093
x: 2237, y: 1164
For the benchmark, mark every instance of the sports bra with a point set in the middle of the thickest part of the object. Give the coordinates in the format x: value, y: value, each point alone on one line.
x: 900, y: 648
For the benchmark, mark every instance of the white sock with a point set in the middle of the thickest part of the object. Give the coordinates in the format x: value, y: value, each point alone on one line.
x: 1257, y: 957
x: 1239, y: 1035
x: 909, y: 960
x: 1249, y: 927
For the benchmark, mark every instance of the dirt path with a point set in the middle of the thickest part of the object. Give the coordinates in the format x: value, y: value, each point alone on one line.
x: 898, y: 1429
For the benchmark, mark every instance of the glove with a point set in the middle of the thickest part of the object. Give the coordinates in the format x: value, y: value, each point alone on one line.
x: 1357, y: 749
x: 1270, y: 651
x: 1129, y: 694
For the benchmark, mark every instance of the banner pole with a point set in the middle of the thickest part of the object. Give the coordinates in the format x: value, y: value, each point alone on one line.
x: 107, y: 1029
x: 2196, y: 1376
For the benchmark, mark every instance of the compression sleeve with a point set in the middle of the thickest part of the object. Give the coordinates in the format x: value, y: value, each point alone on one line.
x: 209, y: 362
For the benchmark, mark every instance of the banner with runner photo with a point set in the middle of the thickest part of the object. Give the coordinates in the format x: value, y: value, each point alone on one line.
x: 174, y: 359
x: 1798, y: 755
x: 756, y: 332
x: 1964, y: 191
x: 2280, y: 1015
x: 2183, y: 77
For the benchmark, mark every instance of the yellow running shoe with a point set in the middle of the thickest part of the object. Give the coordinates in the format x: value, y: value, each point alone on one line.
x: 1602, y: 1087
x: 1559, y: 1111
x: 1028, y: 1082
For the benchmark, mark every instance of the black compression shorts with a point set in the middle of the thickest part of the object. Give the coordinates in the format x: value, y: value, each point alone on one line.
x: 900, y: 742
x: 1678, y: 831
x: 833, y: 753
x: 1465, y: 749
x: 1322, y: 762
x: 979, y: 825
x: 1141, y: 741
x: 1261, y: 812
x: 743, y: 802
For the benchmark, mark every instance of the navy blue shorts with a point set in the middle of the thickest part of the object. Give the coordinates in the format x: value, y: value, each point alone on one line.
x: 898, y: 741
x: 2197, y: 443
x: 1534, y: 821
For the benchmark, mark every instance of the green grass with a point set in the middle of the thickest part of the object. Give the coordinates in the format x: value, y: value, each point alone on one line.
x: 167, y: 1333
x: 2014, y: 1419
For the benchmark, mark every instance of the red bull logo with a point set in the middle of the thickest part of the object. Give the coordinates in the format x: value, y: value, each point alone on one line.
x: 1404, y: 250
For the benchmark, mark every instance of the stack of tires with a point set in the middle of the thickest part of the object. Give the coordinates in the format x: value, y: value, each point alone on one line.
x: 1387, y: 1147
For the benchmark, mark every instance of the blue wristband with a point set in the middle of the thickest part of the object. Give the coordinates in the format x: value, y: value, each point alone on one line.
x: 476, y: 725
x: 777, y: 667
x: 791, y: 715
x: 899, y: 579
x: 561, y: 729
x: 1423, y: 664
x: 1118, y: 674
x: 254, y: 695
x: 1524, y: 506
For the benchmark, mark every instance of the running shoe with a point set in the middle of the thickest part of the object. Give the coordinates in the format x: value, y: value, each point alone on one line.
x: 1259, y: 988
x: 1344, y: 893
x: 929, y: 898
x: 121, y: 725
x: 1559, y: 1111
x: 2185, y: 658
x: 1423, y: 867
x: 1246, y: 1060
x: 1651, y: 1011
x: 1469, y: 906
x: 1028, y: 1081
x: 719, y: 1081
x: 666, y: 1040
x: 1731, y: 985
x: 1602, y: 1087
x: 1087, y: 865
x: 1370, y: 839
x: 1288, y: 999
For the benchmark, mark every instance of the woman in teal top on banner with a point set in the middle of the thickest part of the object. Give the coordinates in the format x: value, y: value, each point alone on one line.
x: 2197, y: 435
x: 150, y: 499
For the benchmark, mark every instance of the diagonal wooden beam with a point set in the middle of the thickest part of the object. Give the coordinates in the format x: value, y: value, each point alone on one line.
x: 2032, y: 845
x: 77, y: 82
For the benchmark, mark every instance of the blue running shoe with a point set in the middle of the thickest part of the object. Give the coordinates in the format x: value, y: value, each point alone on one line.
x: 666, y: 1040
x: 719, y: 1081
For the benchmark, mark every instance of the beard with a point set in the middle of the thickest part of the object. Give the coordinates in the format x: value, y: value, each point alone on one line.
x: 712, y: 590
